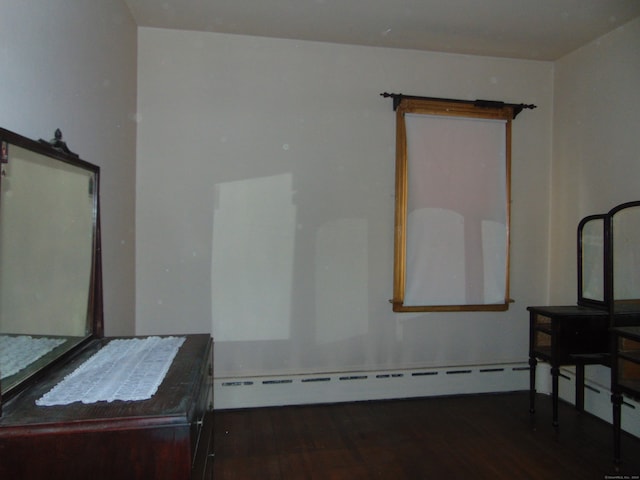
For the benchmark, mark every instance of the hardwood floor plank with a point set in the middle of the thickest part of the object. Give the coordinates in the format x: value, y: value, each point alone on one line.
x: 470, y: 437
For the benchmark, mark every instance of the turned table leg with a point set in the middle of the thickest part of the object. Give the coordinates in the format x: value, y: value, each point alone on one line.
x: 616, y: 400
x: 533, y: 362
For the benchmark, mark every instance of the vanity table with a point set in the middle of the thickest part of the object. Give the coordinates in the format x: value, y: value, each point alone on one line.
x: 51, y: 302
x: 608, y: 297
x: 556, y: 335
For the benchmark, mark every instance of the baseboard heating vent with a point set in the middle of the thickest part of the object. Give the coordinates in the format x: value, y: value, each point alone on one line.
x: 597, y: 400
x: 358, y: 386
x: 277, y: 382
x: 236, y: 384
x: 354, y: 377
x: 320, y: 379
x: 390, y: 375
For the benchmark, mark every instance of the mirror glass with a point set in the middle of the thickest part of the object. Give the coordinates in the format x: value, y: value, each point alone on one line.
x: 591, y: 260
x: 48, y: 218
x: 625, y: 227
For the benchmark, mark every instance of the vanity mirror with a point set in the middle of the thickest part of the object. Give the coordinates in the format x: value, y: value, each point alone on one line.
x: 77, y: 398
x: 622, y: 281
x: 608, y: 259
x: 591, y: 261
x: 50, y: 279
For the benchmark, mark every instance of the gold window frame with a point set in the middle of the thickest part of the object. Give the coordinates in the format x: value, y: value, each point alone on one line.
x: 449, y: 108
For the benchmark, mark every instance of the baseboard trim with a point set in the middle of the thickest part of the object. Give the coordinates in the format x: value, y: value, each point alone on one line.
x: 301, y: 389
x: 263, y: 391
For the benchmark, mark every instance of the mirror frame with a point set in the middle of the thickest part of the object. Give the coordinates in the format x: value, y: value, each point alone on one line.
x: 582, y: 299
x: 56, y: 149
x: 609, y: 301
x: 633, y: 305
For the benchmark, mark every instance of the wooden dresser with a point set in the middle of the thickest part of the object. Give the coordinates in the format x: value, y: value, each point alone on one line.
x: 51, y: 322
x: 168, y: 437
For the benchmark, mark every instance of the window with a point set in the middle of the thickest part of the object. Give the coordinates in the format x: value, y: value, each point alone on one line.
x: 451, y: 248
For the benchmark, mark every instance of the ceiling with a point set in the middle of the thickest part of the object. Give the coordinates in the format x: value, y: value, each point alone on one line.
x: 526, y: 29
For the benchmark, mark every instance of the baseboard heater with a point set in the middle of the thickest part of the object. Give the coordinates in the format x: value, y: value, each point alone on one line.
x: 301, y: 389
x: 597, y: 400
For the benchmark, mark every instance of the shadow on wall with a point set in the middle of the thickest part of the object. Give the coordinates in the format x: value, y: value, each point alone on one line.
x: 252, y: 271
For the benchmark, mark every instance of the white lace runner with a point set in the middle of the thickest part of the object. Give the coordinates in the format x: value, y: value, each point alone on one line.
x: 127, y: 369
x: 17, y: 352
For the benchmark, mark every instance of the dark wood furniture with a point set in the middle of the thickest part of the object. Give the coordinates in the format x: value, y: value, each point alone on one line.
x: 625, y: 377
x: 608, y: 296
x: 556, y: 335
x: 50, y: 252
x: 165, y: 437
x: 51, y: 289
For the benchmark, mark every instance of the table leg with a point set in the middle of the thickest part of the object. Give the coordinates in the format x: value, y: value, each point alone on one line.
x: 580, y: 386
x: 555, y: 373
x: 533, y: 362
x: 616, y: 400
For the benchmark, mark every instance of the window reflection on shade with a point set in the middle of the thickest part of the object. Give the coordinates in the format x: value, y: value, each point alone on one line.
x: 456, y: 239
x: 435, y: 243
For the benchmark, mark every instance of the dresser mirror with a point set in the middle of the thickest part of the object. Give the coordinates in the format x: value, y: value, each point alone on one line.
x: 50, y: 286
x: 625, y: 257
x: 591, y: 261
x: 608, y: 259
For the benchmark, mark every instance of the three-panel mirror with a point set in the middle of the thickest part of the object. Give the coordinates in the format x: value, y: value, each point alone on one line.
x: 591, y: 261
x: 608, y: 259
x: 50, y: 295
x: 625, y: 257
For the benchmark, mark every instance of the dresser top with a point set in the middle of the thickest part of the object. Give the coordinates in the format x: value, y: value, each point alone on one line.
x: 171, y: 402
x: 568, y: 311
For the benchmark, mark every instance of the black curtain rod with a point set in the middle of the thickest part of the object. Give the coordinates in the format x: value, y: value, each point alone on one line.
x: 517, y: 107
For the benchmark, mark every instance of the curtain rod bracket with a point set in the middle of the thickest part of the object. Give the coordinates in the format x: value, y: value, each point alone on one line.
x: 517, y: 108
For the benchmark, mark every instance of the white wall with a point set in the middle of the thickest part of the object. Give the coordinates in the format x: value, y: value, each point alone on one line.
x: 72, y: 65
x: 596, y: 148
x: 265, y: 183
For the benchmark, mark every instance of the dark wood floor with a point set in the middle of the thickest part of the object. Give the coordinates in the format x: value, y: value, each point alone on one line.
x: 465, y: 437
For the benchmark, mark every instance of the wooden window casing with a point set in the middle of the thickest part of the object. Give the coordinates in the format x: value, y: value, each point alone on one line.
x: 446, y: 109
